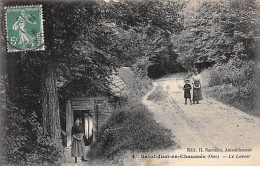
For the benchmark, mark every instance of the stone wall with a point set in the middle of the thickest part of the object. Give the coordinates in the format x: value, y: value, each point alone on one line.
x: 104, y: 110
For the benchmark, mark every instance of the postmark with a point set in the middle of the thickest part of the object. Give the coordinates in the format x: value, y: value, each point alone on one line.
x: 24, y: 28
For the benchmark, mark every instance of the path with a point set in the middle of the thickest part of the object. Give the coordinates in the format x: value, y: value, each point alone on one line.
x: 69, y: 161
x: 209, y: 124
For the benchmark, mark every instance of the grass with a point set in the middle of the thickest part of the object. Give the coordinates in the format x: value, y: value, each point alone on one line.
x: 130, y: 127
x: 157, y: 95
x: 126, y: 75
x: 230, y: 95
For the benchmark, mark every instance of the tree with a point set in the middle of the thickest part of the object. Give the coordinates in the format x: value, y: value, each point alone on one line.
x: 84, y: 42
x: 150, y: 25
x: 216, y: 32
x: 32, y: 76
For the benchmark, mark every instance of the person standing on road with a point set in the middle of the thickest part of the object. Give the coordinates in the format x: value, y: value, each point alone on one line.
x: 197, y: 92
x: 187, y: 87
x: 78, y: 145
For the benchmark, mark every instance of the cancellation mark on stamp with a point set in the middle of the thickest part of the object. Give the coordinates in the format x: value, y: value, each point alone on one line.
x: 24, y: 24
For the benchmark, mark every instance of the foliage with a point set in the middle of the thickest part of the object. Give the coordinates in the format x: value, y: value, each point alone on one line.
x: 24, y: 85
x: 236, y: 72
x: 137, y: 83
x: 216, y: 32
x: 81, y: 52
x: 234, y: 83
x: 220, y: 36
x: 132, y: 128
x: 85, y: 63
x: 21, y: 138
x: 235, y: 97
x: 149, y: 25
x: 86, y: 41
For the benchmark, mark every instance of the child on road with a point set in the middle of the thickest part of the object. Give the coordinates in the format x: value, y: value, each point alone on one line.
x: 187, y: 88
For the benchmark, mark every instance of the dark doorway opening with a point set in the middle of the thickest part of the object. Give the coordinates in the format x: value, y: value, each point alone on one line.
x: 86, y: 120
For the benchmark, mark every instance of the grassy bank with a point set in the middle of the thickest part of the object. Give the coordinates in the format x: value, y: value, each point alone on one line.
x: 131, y: 127
x: 158, y: 94
x: 231, y: 96
x: 231, y: 87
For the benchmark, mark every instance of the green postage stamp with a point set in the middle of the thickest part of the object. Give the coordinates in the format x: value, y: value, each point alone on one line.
x: 24, y: 26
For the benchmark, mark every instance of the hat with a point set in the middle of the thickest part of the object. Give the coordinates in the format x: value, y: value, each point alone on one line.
x: 186, y: 80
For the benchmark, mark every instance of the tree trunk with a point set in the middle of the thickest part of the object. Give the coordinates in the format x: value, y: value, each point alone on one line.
x: 50, y: 105
x: 257, y: 85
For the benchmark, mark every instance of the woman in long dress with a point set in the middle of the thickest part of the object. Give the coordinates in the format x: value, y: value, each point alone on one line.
x: 78, y: 145
x: 197, y: 92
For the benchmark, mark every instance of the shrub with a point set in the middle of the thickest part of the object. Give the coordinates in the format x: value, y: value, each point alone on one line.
x: 233, y: 83
x: 21, y: 138
x: 235, y: 72
x: 230, y: 95
x: 132, y: 128
x: 137, y: 83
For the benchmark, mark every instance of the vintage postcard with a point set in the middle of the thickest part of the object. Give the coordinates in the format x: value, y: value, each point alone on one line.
x: 130, y: 83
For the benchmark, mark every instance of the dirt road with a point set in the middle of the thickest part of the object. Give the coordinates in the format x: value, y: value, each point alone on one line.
x: 70, y: 161
x: 209, y: 125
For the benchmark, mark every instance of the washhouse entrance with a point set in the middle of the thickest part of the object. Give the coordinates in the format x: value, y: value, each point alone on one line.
x: 86, y: 120
x: 92, y: 112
